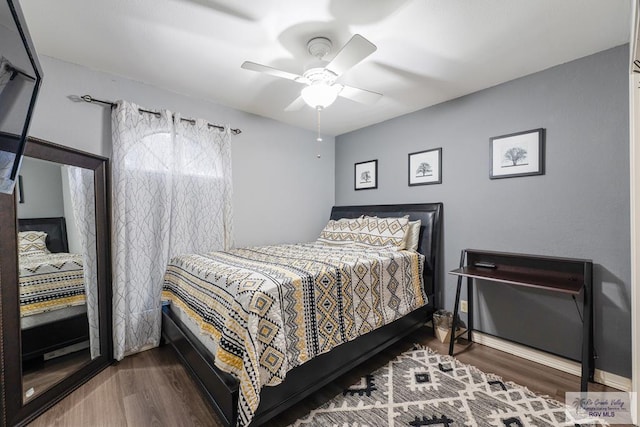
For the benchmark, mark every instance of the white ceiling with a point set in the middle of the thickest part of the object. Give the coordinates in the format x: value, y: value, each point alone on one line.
x: 429, y: 51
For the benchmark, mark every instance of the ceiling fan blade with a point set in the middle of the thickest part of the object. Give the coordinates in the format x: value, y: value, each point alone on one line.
x: 248, y: 65
x: 359, y: 95
x: 296, y: 105
x: 351, y: 54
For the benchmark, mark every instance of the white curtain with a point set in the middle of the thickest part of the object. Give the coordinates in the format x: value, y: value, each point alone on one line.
x: 82, y: 191
x: 201, y: 209
x: 171, y: 194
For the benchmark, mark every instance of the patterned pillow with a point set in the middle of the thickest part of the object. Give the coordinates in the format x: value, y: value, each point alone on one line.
x: 412, y: 238
x: 384, y: 231
x: 32, y: 243
x: 343, y: 231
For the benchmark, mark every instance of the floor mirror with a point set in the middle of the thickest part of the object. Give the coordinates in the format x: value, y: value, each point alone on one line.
x: 54, y: 276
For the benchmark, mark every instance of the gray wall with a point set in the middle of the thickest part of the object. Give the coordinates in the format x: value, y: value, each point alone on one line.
x: 579, y: 208
x: 42, y: 188
x: 282, y: 191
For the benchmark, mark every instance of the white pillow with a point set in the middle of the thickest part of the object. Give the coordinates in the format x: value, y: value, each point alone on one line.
x: 379, y: 232
x: 343, y: 231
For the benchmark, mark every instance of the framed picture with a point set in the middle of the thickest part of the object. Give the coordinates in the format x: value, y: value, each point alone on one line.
x: 425, y: 167
x: 517, y: 154
x: 366, y: 175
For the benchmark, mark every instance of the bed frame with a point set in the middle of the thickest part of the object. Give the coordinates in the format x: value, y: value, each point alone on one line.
x: 221, y: 389
x: 62, y: 333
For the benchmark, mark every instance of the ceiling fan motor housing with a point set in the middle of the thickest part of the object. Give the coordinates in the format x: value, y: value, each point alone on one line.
x: 319, y: 47
x: 320, y: 74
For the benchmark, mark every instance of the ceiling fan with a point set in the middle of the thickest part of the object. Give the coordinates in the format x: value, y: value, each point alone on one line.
x: 321, y: 89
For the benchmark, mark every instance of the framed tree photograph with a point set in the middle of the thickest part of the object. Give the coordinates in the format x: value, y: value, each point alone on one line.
x: 517, y: 154
x: 366, y: 175
x: 425, y: 167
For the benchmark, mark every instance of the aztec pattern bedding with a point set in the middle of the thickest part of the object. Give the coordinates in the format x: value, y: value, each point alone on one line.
x: 270, y: 309
x: 50, y: 282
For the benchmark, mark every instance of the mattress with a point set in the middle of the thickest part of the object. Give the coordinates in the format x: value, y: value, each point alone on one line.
x: 50, y: 282
x: 270, y: 309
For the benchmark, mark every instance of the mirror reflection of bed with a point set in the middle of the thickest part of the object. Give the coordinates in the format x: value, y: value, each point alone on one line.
x: 57, y: 292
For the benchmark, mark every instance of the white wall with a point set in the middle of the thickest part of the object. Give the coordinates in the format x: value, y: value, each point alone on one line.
x: 282, y: 191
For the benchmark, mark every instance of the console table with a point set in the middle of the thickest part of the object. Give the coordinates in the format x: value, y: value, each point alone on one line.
x: 564, y: 275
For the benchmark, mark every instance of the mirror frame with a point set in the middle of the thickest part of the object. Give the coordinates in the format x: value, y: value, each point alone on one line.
x: 14, y: 412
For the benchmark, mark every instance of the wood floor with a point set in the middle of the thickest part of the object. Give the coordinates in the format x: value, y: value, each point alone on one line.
x: 153, y: 389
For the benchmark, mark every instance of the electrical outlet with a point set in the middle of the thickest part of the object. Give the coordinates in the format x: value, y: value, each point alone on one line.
x: 463, y: 306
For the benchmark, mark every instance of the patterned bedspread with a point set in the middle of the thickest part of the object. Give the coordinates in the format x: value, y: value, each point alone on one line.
x: 50, y: 282
x: 270, y: 309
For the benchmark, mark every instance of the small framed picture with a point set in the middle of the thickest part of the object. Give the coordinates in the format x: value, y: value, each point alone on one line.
x: 366, y: 175
x: 425, y: 167
x: 517, y: 154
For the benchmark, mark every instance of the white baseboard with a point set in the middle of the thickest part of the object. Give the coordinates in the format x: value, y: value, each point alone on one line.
x: 550, y: 360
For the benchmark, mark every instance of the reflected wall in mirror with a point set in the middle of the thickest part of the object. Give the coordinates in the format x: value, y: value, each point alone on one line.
x: 57, y: 276
x: 54, y: 270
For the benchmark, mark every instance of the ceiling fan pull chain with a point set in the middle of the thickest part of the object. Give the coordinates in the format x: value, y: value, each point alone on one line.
x: 318, y: 109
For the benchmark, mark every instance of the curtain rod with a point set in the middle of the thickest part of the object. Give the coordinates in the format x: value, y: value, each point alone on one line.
x: 89, y: 98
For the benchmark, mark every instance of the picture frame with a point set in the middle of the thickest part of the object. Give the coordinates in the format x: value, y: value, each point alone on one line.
x: 425, y: 167
x: 366, y: 175
x: 517, y: 154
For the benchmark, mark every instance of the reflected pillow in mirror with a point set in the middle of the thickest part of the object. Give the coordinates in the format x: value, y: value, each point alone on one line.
x: 32, y: 243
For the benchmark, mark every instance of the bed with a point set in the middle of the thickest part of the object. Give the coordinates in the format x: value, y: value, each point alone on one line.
x: 53, y: 311
x: 224, y: 392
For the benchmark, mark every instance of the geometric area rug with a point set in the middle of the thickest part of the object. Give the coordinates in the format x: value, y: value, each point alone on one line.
x: 423, y: 388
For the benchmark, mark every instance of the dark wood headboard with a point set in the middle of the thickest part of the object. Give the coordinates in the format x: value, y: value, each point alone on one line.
x: 430, y: 214
x: 56, y: 229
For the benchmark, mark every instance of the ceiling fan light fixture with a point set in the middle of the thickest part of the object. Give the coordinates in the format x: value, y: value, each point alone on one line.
x: 320, y: 94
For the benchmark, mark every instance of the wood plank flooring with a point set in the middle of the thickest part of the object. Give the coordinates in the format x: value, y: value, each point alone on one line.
x: 153, y: 389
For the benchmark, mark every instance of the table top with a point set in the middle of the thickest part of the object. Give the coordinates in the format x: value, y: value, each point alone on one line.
x: 564, y: 284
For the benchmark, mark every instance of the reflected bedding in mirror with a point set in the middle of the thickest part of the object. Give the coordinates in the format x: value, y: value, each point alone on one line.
x: 56, y: 269
x: 49, y: 283
x: 51, y: 280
